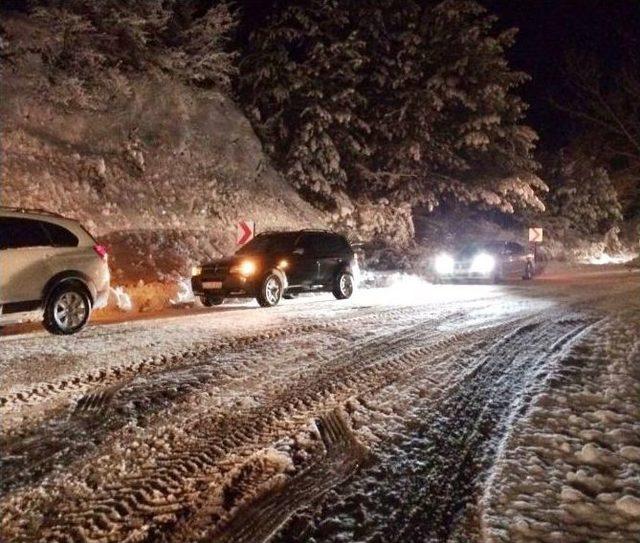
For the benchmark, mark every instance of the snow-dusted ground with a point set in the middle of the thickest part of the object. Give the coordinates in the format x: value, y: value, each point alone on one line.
x: 570, y: 471
x: 408, y: 413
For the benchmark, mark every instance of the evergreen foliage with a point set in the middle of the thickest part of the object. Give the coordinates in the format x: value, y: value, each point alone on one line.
x: 301, y: 85
x: 582, y: 197
x: 89, y: 40
x: 404, y: 100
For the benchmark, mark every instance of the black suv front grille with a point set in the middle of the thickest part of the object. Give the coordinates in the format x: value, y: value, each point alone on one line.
x: 215, y: 272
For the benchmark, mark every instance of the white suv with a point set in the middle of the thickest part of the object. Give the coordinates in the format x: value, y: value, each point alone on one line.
x: 51, y: 265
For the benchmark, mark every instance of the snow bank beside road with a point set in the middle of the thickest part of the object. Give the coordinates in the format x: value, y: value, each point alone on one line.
x: 571, y: 471
x: 144, y: 297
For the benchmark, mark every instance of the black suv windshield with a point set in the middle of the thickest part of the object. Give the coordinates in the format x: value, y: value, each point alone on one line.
x: 282, y: 242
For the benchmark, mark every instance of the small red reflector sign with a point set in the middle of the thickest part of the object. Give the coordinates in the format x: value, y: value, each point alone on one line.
x: 245, y: 232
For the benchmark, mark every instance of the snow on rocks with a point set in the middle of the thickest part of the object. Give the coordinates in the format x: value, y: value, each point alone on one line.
x: 629, y: 505
x: 631, y: 453
x: 570, y: 494
x: 592, y: 454
x: 157, y: 202
x: 120, y: 298
x: 184, y: 294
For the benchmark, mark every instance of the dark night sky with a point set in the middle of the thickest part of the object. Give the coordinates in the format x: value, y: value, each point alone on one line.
x: 549, y: 29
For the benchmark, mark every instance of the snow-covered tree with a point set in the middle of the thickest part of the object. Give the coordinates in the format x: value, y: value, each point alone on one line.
x: 199, y: 45
x: 450, y: 125
x: 605, y: 102
x: 582, y: 197
x: 88, y: 39
x: 404, y: 100
x: 299, y: 82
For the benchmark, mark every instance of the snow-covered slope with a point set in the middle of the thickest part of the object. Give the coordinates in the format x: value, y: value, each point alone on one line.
x: 159, y: 171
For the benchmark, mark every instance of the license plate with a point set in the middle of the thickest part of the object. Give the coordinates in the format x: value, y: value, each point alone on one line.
x: 212, y: 284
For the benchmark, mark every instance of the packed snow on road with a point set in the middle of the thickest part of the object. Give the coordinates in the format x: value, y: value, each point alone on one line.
x: 411, y: 412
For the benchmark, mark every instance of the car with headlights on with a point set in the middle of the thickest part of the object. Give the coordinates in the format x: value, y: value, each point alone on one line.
x: 274, y: 265
x: 493, y: 260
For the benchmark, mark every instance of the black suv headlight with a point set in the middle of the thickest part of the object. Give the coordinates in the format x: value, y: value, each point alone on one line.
x: 246, y: 268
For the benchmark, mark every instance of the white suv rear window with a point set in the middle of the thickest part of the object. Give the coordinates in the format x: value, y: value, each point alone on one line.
x: 60, y: 236
x: 19, y: 233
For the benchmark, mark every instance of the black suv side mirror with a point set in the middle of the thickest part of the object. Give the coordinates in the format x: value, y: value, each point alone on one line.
x: 298, y: 251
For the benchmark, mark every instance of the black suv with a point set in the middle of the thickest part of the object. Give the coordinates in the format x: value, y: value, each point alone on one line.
x: 280, y: 264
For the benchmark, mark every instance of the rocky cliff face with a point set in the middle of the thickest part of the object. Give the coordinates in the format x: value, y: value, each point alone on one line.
x: 158, y: 171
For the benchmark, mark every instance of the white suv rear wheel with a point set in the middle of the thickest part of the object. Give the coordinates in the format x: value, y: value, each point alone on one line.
x: 67, y: 311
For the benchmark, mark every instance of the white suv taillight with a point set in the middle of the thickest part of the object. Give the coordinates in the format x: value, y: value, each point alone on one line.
x: 101, y: 251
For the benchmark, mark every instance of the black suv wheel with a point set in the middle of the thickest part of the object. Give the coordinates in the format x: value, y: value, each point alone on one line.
x: 343, y: 287
x: 270, y: 291
x: 67, y: 310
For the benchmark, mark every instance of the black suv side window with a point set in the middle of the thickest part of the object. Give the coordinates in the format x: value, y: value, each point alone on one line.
x: 335, y: 244
x: 18, y: 233
x: 321, y: 243
x: 61, y: 237
x: 309, y: 243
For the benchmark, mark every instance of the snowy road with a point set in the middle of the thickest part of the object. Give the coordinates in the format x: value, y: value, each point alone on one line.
x: 410, y: 413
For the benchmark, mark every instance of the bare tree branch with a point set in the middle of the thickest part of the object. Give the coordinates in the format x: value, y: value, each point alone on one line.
x: 614, y: 111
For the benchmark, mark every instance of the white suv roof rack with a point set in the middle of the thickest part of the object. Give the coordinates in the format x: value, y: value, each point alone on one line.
x: 32, y: 210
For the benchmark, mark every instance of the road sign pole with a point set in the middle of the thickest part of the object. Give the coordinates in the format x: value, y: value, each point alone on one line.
x: 536, y: 235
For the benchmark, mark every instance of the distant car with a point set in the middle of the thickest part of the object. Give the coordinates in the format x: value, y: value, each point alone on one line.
x: 494, y: 260
x: 280, y: 264
x: 50, y: 265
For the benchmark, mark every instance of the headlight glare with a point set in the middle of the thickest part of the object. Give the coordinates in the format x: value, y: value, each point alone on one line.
x: 196, y: 270
x: 444, y: 264
x: 483, y: 263
x: 245, y: 268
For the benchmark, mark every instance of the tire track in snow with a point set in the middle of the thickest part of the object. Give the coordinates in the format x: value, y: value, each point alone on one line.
x: 419, y: 485
x: 166, y: 486
x: 58, y: 440
x: 259, y: 519
x: 435, y: 356
x: 78, y: 383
